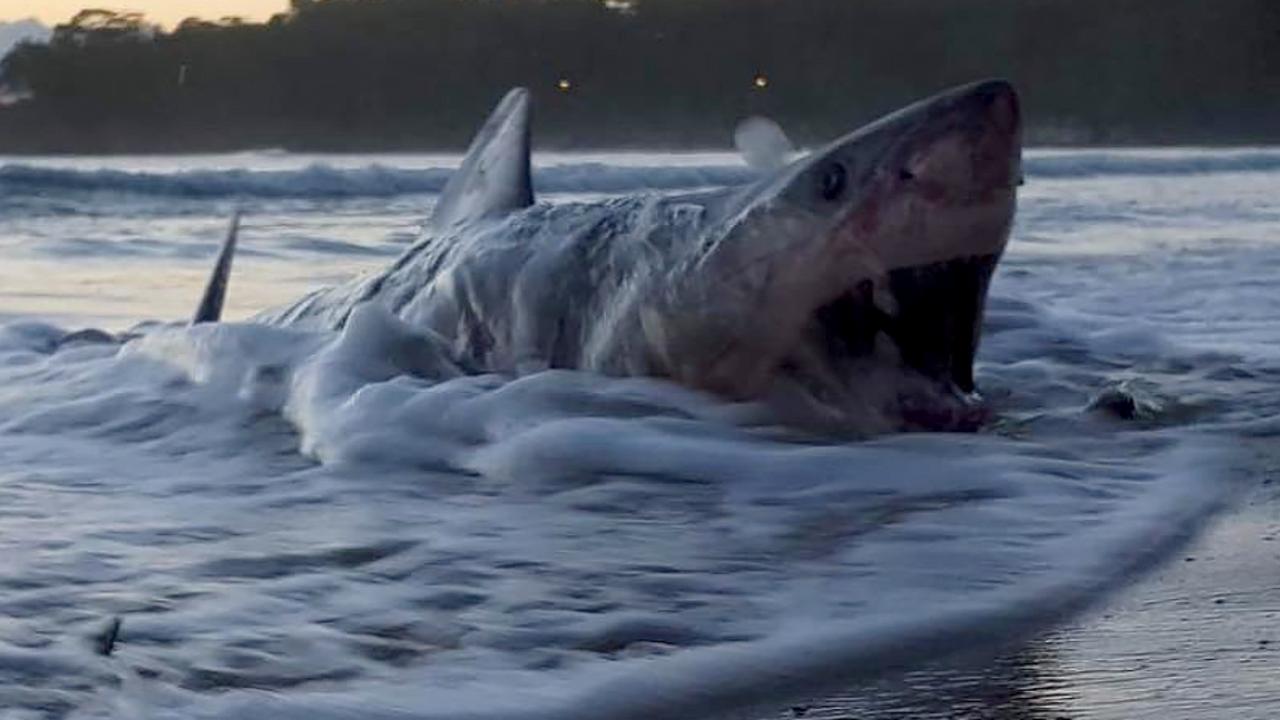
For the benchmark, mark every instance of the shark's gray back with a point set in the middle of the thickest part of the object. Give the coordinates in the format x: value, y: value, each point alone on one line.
x: 510, y: 285
x: 543, y: 287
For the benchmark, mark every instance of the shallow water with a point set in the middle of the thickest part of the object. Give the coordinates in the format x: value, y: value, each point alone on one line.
x: 288, y: 527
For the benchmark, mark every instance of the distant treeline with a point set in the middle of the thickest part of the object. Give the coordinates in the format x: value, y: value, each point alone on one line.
x: 420, y: 74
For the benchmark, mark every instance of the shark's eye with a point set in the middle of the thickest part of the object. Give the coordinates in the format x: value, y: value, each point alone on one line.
x: 906, y: 175
x: 833, y: 180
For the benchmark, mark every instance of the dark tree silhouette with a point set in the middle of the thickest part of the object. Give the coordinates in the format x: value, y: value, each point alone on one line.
x: 399, y: 74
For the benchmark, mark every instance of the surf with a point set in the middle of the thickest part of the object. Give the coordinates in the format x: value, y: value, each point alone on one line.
x: 360, y: 526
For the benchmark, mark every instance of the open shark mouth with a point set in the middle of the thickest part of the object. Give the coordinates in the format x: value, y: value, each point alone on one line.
x: 915, y: 366
x: 893, y: 347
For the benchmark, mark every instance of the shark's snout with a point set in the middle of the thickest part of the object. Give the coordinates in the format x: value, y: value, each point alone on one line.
x: 968, y: 146
x: 998, y: 151
x: 1001, y: 103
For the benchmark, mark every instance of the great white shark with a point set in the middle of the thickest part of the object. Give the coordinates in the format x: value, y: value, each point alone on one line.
x: 846, y: 288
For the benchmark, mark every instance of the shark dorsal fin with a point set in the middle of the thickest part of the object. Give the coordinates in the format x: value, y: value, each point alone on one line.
x: 210, y: 309
x: 494, y: 177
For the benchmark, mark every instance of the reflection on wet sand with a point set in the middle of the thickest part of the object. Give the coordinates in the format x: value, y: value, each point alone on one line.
x: 1196, y: 639
x: 1026, y: 685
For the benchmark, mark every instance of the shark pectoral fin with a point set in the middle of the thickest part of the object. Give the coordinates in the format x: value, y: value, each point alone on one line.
x: 495, y: 177
x: 762, y: 144
x: 210, y: 308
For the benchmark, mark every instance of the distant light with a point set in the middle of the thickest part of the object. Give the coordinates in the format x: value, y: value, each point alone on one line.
x: 761, y: 81
x: 622, y: 7
x: 564, y: 85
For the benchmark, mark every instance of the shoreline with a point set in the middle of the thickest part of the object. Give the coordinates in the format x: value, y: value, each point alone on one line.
x: 1197, y: 637
x: 551, y: 149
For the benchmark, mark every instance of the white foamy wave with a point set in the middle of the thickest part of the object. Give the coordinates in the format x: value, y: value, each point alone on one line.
x: 1086, y: 164
x: 325, y: 181
x: 567, y: 545
x: 376, y: 180
x: 832, y: 627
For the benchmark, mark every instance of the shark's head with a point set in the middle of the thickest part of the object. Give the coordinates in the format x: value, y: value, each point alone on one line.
x: 856, y: 277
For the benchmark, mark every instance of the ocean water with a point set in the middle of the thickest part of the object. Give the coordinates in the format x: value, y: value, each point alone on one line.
x: 284, y: 526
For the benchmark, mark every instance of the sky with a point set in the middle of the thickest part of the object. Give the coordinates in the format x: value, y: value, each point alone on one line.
x: 166, y: 12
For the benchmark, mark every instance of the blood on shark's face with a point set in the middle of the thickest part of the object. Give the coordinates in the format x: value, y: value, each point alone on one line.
x: 857, y: 277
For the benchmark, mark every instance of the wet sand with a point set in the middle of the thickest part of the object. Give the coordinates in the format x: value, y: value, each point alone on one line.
x: 1198, y: 637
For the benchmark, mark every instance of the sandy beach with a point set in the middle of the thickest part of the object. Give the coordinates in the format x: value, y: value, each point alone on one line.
x: 1196, y: 638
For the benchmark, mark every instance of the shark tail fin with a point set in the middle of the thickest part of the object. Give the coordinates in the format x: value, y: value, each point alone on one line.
x: 495, y: 176
x: 210, y: 308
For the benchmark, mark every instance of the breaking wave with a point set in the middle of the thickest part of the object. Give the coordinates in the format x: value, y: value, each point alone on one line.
x: 558, y: 545
x: 1057, y: 164
x: 325, y: 180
